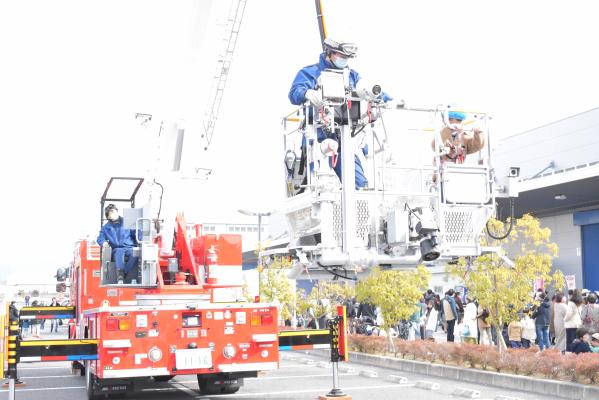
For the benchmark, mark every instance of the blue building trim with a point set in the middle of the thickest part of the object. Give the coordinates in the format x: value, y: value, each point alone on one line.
x: 586, y: 217
x: 590, y: 256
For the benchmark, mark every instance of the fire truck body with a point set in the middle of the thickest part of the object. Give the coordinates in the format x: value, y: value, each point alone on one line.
x: 188, y: 321
x: 227, y: 341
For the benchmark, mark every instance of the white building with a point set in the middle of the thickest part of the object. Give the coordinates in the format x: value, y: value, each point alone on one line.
x: 559, y: 183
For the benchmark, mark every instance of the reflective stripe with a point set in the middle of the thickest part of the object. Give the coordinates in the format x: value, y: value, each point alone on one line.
x: 305, y: 333
x: 117, y: 343
x: 248, y: 367
x: 264, y: 337
x: 49, y: 308
x: 66, y: 342
x: 30, y: 359
x: 131, y: 373
x: 305, y: 347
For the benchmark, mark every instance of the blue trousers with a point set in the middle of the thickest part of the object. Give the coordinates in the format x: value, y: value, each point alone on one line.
x: 119, y: 258
x: 543, y: 336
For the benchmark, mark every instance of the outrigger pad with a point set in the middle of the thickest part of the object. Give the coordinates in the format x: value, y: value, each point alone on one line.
x: 326, y: 397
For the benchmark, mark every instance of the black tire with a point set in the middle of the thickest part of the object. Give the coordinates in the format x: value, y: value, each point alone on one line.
x: 207, y: 387
x: 89, y: 383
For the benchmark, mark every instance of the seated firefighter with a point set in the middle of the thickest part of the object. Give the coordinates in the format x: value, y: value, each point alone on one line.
x: 122, y: 241
x: 460, y: 142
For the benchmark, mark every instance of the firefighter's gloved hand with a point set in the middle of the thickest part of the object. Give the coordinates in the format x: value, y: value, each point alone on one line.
x: 314, y: 97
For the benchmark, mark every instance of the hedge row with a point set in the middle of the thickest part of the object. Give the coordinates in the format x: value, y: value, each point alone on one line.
x: 582, y: 368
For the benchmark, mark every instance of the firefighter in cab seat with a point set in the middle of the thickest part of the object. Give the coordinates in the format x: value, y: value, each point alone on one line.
x: 122, y: 241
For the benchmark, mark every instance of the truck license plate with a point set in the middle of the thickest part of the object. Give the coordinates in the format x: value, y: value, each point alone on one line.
x: 193, y: 358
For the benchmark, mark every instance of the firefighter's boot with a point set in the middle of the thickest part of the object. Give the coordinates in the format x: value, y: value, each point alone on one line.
x: 120, y: 276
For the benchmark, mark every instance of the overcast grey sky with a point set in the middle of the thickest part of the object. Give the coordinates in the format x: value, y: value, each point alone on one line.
x: 73, y: 74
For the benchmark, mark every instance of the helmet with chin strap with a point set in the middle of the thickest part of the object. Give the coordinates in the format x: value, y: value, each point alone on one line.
x: 458, y: 115
x: 345, y: 48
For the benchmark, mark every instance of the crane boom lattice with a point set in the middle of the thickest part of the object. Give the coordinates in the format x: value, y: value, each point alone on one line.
x: 222, y: 68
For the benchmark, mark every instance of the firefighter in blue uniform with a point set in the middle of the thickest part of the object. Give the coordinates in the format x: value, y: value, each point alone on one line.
x: 121, y: 240
x: 303, y: 88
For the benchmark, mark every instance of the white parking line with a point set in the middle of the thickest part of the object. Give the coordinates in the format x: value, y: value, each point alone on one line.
x: 44, y: 388
x: 297, y: 376
x: 293, y: 366
x: 185, y: 389
x: 267, y: 378
x: 23, y: 377
x: 319, y: 390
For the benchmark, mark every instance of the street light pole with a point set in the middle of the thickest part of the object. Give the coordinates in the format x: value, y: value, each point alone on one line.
x: 259, y: 230
x: 259, y: 215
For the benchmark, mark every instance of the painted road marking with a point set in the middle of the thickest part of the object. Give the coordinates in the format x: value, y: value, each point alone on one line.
x: 267, y: 378
x: 318, y: 390
x: 44, y: 388
x: 47, y: 376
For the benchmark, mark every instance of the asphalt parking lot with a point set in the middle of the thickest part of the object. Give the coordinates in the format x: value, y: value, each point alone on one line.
x: 300, y: 376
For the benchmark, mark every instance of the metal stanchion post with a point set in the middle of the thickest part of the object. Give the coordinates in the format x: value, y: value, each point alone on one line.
x: 13, y: 332
x: 334, y: 327
x: 336, y: 392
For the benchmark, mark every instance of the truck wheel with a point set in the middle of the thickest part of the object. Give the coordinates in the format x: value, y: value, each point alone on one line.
x: 207, y: 386
x: 90, y: 387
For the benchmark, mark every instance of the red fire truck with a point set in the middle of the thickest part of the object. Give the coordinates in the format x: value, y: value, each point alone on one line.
x: 179, y: 314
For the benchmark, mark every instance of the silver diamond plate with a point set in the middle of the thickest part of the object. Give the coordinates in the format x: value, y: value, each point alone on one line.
x: 459, y: 227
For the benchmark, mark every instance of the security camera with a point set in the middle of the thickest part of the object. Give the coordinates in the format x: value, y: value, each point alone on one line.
x: 514, y: 172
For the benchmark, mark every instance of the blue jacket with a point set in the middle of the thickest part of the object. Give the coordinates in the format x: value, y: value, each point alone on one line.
x: 116, y: 235
x: 307, y: 78
x: 542, y: 315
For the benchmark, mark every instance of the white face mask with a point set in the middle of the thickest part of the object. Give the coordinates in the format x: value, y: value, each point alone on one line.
x: 455, y: 126
x: 113, y: 215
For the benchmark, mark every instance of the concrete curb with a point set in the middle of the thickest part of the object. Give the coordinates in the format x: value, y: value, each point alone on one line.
x: 565, y: 390
x: 427, y: 385
x: 369, y: 374
x: 308, y: 361
x: 467, y: 393
x: 346, y: 369
x: 397, y: 379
